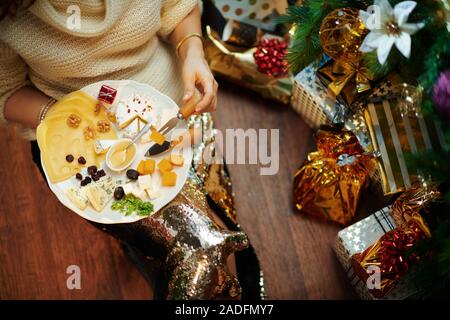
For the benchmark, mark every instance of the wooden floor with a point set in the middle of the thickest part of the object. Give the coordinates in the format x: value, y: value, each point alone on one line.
x: 39, y: 238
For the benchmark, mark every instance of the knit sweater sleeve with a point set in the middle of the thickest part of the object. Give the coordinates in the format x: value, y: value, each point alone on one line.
x: 13, y: 76
x: 173, y: 12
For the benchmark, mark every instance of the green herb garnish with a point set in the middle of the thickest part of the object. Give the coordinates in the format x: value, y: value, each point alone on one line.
x: 129, y: 204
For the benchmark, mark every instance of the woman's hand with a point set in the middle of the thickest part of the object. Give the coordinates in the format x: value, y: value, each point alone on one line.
x: 196, y: 74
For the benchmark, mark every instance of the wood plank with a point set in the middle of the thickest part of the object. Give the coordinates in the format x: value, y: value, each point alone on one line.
x: 295, y: 251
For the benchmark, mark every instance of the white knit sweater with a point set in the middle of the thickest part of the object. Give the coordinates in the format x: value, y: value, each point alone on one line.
x: 118, y: 39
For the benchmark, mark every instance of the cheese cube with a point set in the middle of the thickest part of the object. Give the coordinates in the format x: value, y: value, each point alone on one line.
x: 128, y: 187
x: 145, y: 182
x: 165, y: 165
x: 138, y: 193
x: 176, y: 159
x: 169, y: 178
x: 153, y: 193
x: 78, y: 197
x: 149, y: 166
x: 156, y: 182
x: 141, y: 167
x: 157, y: 137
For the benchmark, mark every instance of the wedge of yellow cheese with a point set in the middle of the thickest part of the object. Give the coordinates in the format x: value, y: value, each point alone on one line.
x: 56, y: 139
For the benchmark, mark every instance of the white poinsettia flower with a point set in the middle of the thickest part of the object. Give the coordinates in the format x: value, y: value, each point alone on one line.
x: 389, y: 26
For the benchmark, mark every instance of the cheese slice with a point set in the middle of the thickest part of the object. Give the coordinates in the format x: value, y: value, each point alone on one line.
x: 78, y: 197
x: 56, y: 139
x: 176, y: 159
x: 100, y: 193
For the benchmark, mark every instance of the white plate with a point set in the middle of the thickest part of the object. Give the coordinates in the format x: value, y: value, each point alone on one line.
x: 167, y: 109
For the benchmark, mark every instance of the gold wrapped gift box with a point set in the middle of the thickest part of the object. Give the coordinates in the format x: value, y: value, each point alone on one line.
x: 331, y: 180
x: 394, y: 135
x: 391, y: 253
x: 239, y: 67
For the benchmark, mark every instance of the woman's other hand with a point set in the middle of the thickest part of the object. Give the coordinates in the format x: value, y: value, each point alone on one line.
x: 196, y: 74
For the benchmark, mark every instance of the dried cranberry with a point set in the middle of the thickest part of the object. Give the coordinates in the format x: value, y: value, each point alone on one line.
x: 95, y: 177
x: 101, y: 173
x: 69, y: 158
x: 86, y: 181
x: 91, y: 170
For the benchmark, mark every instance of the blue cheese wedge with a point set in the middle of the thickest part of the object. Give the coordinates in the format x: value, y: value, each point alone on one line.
x: 102, y: 146
x: 78, y: 197
x: 100, y: 193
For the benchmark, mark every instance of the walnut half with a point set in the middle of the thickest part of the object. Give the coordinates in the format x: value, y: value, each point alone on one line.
x: 89, y: 133
x: 73, y: 120
x: 103, y: 126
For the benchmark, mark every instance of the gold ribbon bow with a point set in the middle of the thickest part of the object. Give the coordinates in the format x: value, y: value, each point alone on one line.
x: 344, y: 72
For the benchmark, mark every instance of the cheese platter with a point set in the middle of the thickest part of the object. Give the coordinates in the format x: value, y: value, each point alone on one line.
x: 91, y: 162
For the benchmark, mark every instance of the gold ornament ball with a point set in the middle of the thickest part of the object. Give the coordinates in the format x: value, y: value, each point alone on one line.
x: 341, y: 34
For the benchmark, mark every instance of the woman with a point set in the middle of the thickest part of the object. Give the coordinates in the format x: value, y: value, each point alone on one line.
x: 45, y: 53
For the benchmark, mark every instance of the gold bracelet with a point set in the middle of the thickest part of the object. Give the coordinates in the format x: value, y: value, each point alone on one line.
x: 45, y: 109
x: 180, y: 43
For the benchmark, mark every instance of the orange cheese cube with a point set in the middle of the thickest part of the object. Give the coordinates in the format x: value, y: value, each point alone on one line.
x: 157, y: 137
x: 149, y: 166
x: 169, y: 178
x: 141, y: 167
x: 146, y: 167
x: 165, y: 165
x: 176, y: 159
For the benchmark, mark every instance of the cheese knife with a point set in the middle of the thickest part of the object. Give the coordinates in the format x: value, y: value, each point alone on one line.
x: 192, y: 134
x: 185, y: 111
